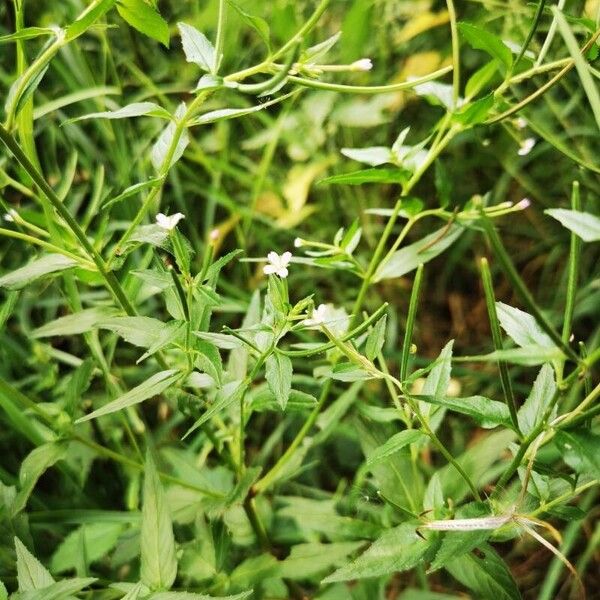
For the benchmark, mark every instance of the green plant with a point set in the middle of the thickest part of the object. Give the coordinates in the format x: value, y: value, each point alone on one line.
x: 183, y: 426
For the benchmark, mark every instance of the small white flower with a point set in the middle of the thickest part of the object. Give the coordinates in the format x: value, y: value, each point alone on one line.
x: 214, y: 235
x: 523, y: 204
x: 526, y: 146
x: 336, y: 319
x: 364, y: 64
x: 298, y: 243
x: 168, y: 223
x: 9, y: 217
x: 278, y: 265
x: 521, y: 123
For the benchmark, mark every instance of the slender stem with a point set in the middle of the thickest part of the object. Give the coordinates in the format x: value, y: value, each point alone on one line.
x: 220, y: 37
x: 574, y: 253
x: 368, y: 89
x: 47, y: 245
x: 490, y: 302
x: 543, y: 89
x: 410, y: 322
x: 108, y: 276
x: 455, y: 53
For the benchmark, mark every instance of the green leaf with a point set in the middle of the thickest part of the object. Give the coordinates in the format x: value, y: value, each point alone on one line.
x: 208, y: 360
x: 87, y: 18
x: 374, y: 156
x: 475, y: 112
x: 143, y: 332
x: 152, y: 387
x: 74, y: 324
x: 31, y: 574
x: 585, y: 225
x: 297, y: 401
x: 40, y: 267
x: 376, y: 339
x: 161, y: 150
x: 230, y: 393
x: 346, y: 371
x: 62, y: 590
x: 455, y: 544
x: 17, y: 97
x: 145, y: 19
x: 522, y: 327
x: 484, y: 40
x: 3, y: 592
x: 27, y: 33
x: 198, y: 48
x: 542, y: 393
x: 36, y: 463
x: 131, y: 190
x: 393, y: 445
x: 486, y: 575
x: 579, y: 450
x: 98, y: 540
x: 487, y: 413
x: 194, y: 596
x: 367, y: 176
x: 399, y: 549
x: 306, y: 561
x: 278, y: 373
x: 136, y: 109
x: 259, y: 24
x: 157, y: 543
x: 407, y: 259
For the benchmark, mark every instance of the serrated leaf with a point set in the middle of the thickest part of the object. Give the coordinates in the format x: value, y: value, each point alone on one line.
x: 145, y: 19
x: 259, y: 24
x: 87, y: 18
x: 487, y: 413
x: 585, y: 225
x: 376, y: 339
x: 40, y: 267
x: 278, y: 373
x: 31, y: 574
x: 297, y: 400
x: 308, y: 560
x: 319, y: 50
x: 157, y: 384
x: 522, y: 327
x: 143, y: 332
x: 157, y: 543
x: 136, y: 109
x: 530, y: 355
x: 484, y: 40
x: 580, y: 451
x: 399, y: 549
x: 61, y: 590
x: 542, y: 393
x: 74, y: 324
x: 230, y: 393
x: 198, y: 49
x: 407, y: 259
x: 98, y: 540
x: 208, y: 360
x: 36, y: 463
x: 393, y: 445
x: 487, y: 575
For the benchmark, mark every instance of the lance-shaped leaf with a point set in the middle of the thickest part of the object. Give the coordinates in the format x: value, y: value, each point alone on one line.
x: 157, y: 542
x: 585, y: 225
x: 152, y: 387
x: 40, y: 267
x: 137, y: 109
x: 279, y: 377
x: 198, y: 48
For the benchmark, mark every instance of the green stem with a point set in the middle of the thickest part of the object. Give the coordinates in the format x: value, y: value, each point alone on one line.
x: 455, y: 53
x: 410, y: 322
x: 490, y: 302
x: 368, y: 89
x: 574, y: 253
x: 108, y: 276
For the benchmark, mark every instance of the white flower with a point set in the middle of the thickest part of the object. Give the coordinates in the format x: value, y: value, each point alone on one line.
x: 9, y: 217
x: 335, y: 319
x: 526, y: 146
x: 278, y: 265
x: 523, y: 204
x: 521, y: 123
x: 364, y: 64
x: 168, y: 223
x: 298, y: 243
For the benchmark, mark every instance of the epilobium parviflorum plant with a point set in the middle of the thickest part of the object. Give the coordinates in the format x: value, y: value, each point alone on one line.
x: 299, y: 299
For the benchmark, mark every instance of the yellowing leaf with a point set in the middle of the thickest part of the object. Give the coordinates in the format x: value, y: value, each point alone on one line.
x: 420, y: 23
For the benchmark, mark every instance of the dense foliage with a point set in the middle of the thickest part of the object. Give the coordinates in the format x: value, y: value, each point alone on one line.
x: 299, y: 299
